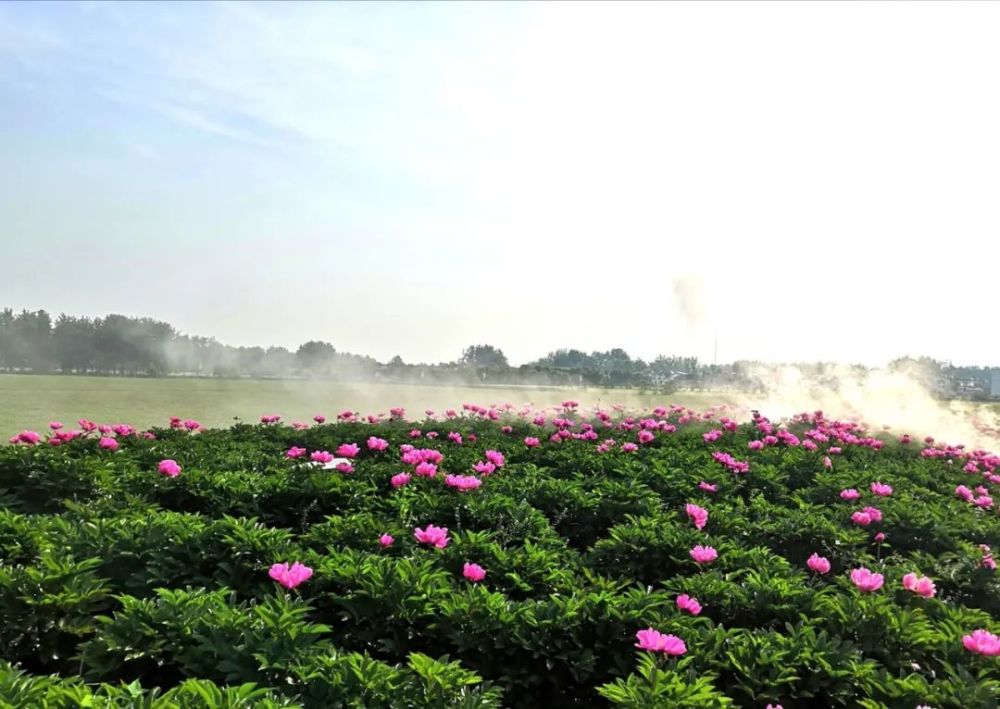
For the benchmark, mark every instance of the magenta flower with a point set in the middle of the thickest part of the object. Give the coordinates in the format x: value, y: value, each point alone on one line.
x: 321, y: 457
x: 169, y: 468
x: 348, y: 450
x: 397, y: 412
x: 819, y: 564
x: 531, y: 442
x: 55, y: 425
x: 400, y: 479
x: 319, y: 418
x: 484, y: 468
x: 629, y: 447
x: 982, y: 642
x: 455, y: 437
x: 344, y: 467
x: 688, y: 604
x: 29, y: 437
x: 386, y: 540
x: 109, y: 444
x: 881, y: 489
x: 920, y: 585
x: 377, y: 444
x: 463, y: 483
x: 495, y: 457
x: 827, y: 463
x: 436, y: 536
x: 880, y: 537
x: 703, y: 554
x: 874, y: 512
x: 708, y: 487
x: 698, y: 515
x: 861, y: 518
x: 866, y: 580
x: 290, y: 577
x: 655, y: 641
x: 295, y: 452
x: 192, y: 425
x: 426, y: 470
x: 473, y: 572
x: 646, y: 436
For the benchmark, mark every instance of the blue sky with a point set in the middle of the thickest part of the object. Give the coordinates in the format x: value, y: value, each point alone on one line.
x: 411, y: 178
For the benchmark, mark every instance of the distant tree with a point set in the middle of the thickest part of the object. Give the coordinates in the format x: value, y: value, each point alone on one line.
x: 397, y: 362
x: 484, y: 356
x: 316, y: 356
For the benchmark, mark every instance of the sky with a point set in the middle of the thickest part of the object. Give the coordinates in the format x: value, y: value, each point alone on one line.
x: 801, y: 181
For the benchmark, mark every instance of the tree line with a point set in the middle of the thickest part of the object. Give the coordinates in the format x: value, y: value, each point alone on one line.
x: 32, y: 341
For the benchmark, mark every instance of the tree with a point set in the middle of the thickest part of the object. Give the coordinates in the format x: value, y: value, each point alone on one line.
x: 316, y: 356
x: 484, y: 356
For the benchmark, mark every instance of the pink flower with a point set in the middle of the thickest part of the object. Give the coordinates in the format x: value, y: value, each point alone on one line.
x: 426, y: 470
x: 629, y: 448
x: 377, y: 444
x: 400, y: 479
x: 348, y: 450
x: 436, y: 536
x: 982, y: 642
x: 708, y: 487
x: 963, y: 493
x: 834, y: 450
x: 192, y: 425
x: 874, y: 512
x: 531, y: 441
x: 484, y: 468
x: 169, y: 468
x: 416, y: 433
x: 29, y: 437
x: 495, y: 457
x: 698, y: 515
x: 827, y: 463
x: 688, y: 604
x: 269, y: 418
x: 473, y: 572
x: 386, y: 540
x: 397, y: 412
x: 704, y: 555
x: 866, y: 580
x: 655, y: 641
x: 319, y: 418
x: 109, y: 444
x: 984, y: 501
x: 880, y: 489
x: 455, y: 437
x: 880, y: 537
x: 321, y: 457
x: 290, y: 577
x: 819, y: 564
x: 646, y: 437
x: 344, y: 467
x: 861, y: 518
x: 432, y: 434
x: 295, y: 452
x: 55, y: 425
x: 506, y: 429
x: 774, y: 706
x: 920, y: 585
x: 463, y: 483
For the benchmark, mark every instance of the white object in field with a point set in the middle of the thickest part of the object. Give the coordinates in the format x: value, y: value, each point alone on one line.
x: 332, y: 465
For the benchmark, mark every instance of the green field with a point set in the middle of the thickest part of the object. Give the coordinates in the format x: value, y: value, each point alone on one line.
x: 31, y: 401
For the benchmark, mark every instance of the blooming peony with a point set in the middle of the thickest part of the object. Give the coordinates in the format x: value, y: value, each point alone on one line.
x: 881, y: 489
x: 386, y: 540
x: 655, y: 641
x: 436, y: 536
x: 703, y: 554
x: 698, y: 515
x: 982, y: 642
x: 473, y: 572
x: 920, y: 585
x: 292, y: 576
x: 819, y: 564
x: 169, y: 468
x: 866, y: 580
x: 688, y: 604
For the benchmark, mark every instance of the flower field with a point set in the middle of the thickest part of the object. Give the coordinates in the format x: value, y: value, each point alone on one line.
x: 499, y: 556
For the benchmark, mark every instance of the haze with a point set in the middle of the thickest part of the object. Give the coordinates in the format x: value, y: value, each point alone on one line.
x: 808, y: 181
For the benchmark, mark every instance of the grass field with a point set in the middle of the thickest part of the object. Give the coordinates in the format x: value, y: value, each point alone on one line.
x: 30, y: 401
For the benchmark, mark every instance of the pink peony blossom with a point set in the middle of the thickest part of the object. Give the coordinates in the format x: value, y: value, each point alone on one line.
x: 703, y: 554
x: 708, y: 487
x: 861, y: 518
x: 192, y: 425
x: 698, y: 515
x: 109, y: 444
x: 377, y: 444
x: 344, y: 467
x: 426, y: 470
x: 169, y: 468
x: 290, y: 577
x: 436, y: 536
x: 688, y: 604
x: 866, y: 580
x: 386, y: 540
x: 531, y: 442
x: 920, y: 585
x: 400, y: 479
x: 348, y: 450
x: 463, y: 483
x: 629, y: 448
x: 321, y: 457
x: 319, y: 418
x: 982, y: 642
x: 819, y: 564
x: 473, y: 572
x: 655, y: 641
x: 874, y: 513
x: 295, y: 452
x: 55, y: 425
x: 963, y: 493
x: 484, y: 468
x: 850, y: 494
x: 495, y: 457
x: 881, y: 489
